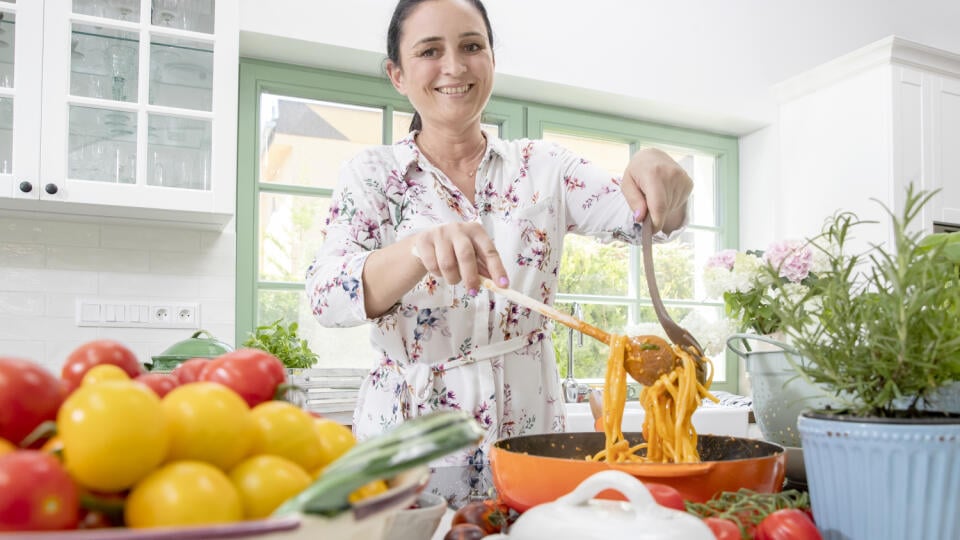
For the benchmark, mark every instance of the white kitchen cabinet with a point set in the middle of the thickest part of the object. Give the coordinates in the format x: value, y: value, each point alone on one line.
x: 865, y: 126
x: 124, y: 109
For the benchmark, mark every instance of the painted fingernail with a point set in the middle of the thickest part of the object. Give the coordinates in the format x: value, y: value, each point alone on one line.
x: 472, y: 292
x: 503, y: 281
x: 636, y: 214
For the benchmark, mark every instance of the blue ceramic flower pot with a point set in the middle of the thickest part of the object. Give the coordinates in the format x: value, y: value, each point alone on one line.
x: 883, y: 479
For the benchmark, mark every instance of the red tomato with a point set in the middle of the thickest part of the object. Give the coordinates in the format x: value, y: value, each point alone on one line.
x: 490, y: 516
x: 160, y: 383
x: 465, y: 531
x: 666, y: 496
x: 94, y: 353
x: 36, y: 493
x: 787, y: 524
x: 252, y: 373
x: 189, y: 371
x: 29, y: 396
x: 723, y: 529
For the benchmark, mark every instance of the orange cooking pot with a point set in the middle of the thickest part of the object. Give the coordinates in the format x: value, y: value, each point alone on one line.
x: 533, y: 469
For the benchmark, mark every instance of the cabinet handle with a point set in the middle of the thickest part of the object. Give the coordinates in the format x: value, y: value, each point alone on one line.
x: 26, y: 187
x: 50, y: 188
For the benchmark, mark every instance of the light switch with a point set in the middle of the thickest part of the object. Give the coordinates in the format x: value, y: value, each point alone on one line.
x: 119, y: 313
x: 89, y: 312
x: 109, y: 313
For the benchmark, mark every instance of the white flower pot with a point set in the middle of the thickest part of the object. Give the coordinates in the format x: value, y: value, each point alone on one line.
x: 883, y: 479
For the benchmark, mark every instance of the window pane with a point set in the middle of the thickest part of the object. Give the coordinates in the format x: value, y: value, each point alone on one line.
x: 590, y: 358
x: 679, y: 265
x: 290, y: 233
x: 589, y: 267
x: 702, y: 168
x: 610, y: 155
x: 305, y: 142
x: 401, y: 126
x: 336, y: 347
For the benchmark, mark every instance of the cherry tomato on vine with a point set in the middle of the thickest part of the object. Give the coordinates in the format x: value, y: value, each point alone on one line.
x: 787, y: 524
x: 666, y: 496
x: 723, y: 529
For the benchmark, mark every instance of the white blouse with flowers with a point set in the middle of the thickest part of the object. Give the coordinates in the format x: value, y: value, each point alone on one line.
x: 439, y: 347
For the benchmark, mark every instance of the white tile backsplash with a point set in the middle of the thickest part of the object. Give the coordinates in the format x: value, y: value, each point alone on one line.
x: 45, y: 266
x: 22, y: 255
x: 49, y: 232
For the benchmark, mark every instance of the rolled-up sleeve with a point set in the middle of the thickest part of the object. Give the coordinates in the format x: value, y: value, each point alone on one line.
x: 595, y: 204
x: 354, y: 228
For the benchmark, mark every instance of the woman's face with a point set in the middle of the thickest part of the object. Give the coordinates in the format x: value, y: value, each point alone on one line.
x: 446, y: 65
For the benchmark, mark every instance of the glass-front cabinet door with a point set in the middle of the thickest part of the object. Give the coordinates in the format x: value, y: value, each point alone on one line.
x: 139, y: 107
x: 21, y: 43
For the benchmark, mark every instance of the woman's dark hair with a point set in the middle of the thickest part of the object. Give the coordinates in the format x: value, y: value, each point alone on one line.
x: 400, y: 14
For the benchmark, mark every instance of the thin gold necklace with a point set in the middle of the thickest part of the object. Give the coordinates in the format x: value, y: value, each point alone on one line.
x: 475, y: 158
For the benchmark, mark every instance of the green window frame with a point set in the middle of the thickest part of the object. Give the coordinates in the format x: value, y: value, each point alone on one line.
x: 517, y: 119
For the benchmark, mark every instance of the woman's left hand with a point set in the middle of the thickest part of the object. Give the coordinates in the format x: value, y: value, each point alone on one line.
x: 655, y: 183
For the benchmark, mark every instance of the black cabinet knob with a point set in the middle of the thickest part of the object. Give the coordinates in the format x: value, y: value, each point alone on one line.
x: 26, y: 187
x: 50, y: 188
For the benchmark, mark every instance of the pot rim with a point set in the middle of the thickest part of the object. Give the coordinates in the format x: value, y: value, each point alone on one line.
x: 928, y: 418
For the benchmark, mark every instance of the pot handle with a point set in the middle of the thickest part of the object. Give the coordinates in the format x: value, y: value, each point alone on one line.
x: 201, y: 331
x: 742, y: 338
x: 666, y: 470
x: 628, y: 485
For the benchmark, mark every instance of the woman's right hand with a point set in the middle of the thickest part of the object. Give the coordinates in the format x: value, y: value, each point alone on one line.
x: 460, y: 252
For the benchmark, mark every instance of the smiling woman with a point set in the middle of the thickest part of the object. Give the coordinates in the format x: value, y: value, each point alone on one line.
x: 308, y: 122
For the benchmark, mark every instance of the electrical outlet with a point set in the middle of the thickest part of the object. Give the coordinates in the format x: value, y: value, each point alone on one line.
x: 185, y: 314
x: 161, y: 314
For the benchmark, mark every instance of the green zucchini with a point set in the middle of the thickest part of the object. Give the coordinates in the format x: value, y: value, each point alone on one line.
x: 416, y: 441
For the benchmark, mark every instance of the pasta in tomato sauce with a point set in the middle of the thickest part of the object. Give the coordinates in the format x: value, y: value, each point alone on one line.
x: 668, y: 404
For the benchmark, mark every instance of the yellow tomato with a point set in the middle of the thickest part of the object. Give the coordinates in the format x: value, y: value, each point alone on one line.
x: 285, y: 430
x: 208, y: 422
x: 183, y: 493
x: 113, y: 434
x: 264, y: 482
x: 6, y: 447
x: 335, y: 439
x: 104, y: 372
x: 368, y: 490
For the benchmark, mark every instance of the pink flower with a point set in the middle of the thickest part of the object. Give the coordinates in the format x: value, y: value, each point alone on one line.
x: 722, y: 259
x: 792, y: 258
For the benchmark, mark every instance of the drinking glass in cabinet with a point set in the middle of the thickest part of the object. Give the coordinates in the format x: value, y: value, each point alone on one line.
x: 102, y: 145
x: 192, y: 15
x: 123, y: 10
x: 181, y: 73
x: 7, y: 42
x: 103, y: 63
x: 178, y: 152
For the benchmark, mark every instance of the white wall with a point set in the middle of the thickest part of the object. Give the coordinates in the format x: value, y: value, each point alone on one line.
x: 46, y: 265
x: 695, y: 62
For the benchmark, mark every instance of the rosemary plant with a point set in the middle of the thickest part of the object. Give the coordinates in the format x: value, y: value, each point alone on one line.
x: 887, y: 332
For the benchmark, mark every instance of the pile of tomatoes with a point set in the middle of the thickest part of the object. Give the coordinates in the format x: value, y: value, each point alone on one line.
x: 106, y: 444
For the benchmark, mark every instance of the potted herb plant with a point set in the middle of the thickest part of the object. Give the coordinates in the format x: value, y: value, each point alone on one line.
x: 886, y: 338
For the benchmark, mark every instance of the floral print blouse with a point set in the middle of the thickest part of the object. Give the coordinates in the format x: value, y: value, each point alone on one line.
x: 439, y: 347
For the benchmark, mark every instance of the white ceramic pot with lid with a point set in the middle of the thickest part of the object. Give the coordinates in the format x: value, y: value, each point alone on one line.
x: 579, y: 516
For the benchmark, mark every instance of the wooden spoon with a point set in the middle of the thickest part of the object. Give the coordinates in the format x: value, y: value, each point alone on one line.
x: 647, y: 357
